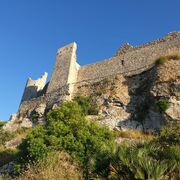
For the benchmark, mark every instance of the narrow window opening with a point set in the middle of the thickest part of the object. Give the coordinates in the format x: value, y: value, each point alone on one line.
x: 122, y: 62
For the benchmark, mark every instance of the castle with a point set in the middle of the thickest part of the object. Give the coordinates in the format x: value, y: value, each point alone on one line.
x: 68, y: 75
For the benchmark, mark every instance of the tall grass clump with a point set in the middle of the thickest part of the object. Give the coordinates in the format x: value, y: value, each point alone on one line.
x: 57, y: 165
x: 175, y: 56
x: 162, y: 59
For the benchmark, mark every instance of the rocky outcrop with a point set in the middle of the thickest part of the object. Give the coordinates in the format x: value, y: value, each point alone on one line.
x: 174, y: 110
x: 17, y: 122
x: 27, y: 119
x: 7, y: 169
x: 130, y: 101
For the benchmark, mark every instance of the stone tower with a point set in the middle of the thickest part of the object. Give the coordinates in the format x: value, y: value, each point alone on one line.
x: 65, y: 69
x: 33, y: 87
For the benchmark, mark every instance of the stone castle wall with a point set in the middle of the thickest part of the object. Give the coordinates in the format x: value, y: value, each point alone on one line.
x: 132, y: 59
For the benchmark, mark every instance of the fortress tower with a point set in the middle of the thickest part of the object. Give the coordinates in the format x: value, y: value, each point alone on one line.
x: 33, y: 87
x: 65, y: 69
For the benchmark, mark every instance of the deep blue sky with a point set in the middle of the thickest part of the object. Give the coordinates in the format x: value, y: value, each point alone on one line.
x: 31, y: 31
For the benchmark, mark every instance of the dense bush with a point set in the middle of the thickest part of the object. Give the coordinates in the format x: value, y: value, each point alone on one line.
x: 87, y: 105
x: 67, y: 129
x: 84, y: 103
x: 162, y: 105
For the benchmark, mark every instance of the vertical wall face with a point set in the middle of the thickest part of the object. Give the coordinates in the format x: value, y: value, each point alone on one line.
x: 130, y: 59
x: 33, y: 87
x: 65, y: 68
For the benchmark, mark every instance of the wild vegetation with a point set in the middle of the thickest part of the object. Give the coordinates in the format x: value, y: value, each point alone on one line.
x: 2, y: 123
x: 162, y: 105
x: 69, y: 146
x: 161, y: 60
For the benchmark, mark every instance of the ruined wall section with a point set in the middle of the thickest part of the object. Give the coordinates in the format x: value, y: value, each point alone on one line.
x: 132, y: 61
x: 65, y: 68
x: 33, y: 87
x: 47, y: 101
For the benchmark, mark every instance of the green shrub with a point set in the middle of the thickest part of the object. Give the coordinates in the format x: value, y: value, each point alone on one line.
x: 162, y: 105
x: 88, y: 106
x: 33, y: 147
x: 67, y: 129
x: 2, y: 123
x: 161, y: 60
x: 84, y: 103
x: 93, y: 110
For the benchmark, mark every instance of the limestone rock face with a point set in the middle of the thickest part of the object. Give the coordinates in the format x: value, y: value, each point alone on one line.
x: 129, y: 101
x: 7, y: 169
x: 14, y: 142
x: 174, y: 110
x: 15, y: 122
x: 167, y: 80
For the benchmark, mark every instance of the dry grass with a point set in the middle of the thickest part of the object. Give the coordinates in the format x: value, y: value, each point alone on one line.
x: 56, y: 166
x: 170, y: 56
x: 7, y: 155
x: 135, y: 134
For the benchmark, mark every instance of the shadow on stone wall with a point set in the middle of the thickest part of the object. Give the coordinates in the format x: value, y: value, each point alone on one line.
x: 144, y: 114
x: 30, y: 93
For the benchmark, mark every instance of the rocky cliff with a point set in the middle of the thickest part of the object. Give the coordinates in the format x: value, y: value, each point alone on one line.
x: 131, y: 101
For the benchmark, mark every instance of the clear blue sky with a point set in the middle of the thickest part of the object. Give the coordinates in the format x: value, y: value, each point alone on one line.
x: 31, y: 31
